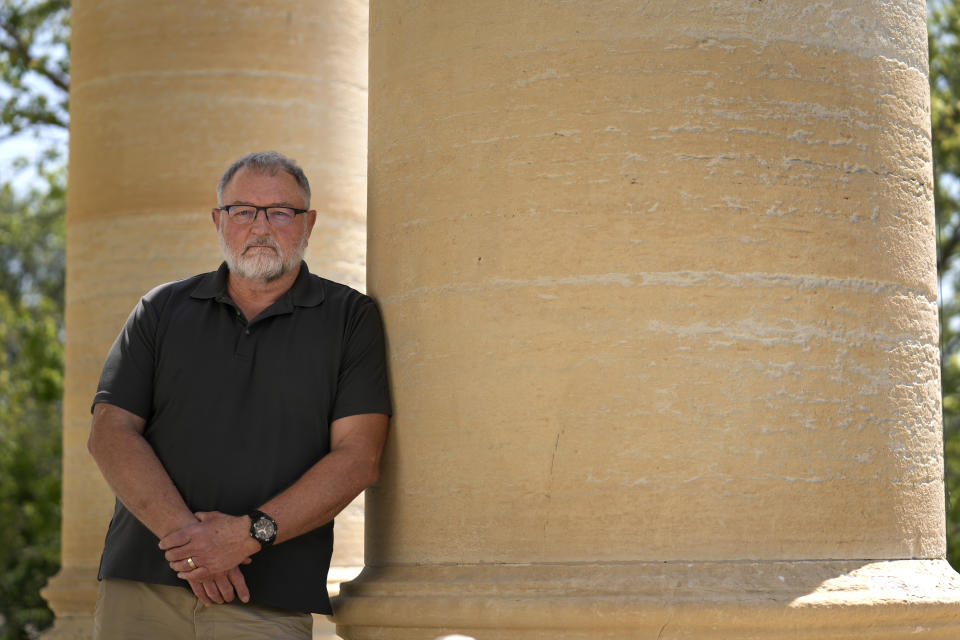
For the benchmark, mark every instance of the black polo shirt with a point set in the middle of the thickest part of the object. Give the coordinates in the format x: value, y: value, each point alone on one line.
x: 238, y: 411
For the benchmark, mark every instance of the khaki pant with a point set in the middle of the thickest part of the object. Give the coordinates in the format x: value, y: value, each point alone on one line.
x: 128, y: 610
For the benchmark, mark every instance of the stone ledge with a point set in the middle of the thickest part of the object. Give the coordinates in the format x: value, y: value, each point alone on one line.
x: 862, y: 600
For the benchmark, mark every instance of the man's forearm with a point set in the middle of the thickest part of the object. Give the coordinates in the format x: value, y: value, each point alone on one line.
x: 352, y: 465
x: 134, y: 472
x: 319, y: 495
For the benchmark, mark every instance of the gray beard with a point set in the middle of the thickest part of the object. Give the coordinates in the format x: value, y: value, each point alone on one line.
x: 262, y: 266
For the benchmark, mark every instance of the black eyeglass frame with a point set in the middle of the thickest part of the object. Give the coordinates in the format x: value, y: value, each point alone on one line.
x: 266, y: 213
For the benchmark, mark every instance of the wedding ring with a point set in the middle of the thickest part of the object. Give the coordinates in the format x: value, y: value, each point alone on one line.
x: 193, y: 565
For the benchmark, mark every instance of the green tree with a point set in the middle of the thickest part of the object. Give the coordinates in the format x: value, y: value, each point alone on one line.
x: 944, y: 28
x: 34, y: 65
x: 34, y: 77
x: 31, y: 387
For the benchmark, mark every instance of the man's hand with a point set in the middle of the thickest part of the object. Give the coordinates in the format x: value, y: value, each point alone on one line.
x: 221, y: 588
x: 215, y: 545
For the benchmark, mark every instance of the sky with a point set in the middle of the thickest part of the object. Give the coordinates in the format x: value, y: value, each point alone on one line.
x: 30, y: 144
x: 27, y: 145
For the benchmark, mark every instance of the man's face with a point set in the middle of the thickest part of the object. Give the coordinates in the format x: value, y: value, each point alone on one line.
x: 259, y: 251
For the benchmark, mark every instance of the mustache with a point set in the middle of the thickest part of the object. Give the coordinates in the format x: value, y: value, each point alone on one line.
x: 262, y: 242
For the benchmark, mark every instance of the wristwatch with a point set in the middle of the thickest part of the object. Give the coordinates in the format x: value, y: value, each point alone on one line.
x: 262, y: 527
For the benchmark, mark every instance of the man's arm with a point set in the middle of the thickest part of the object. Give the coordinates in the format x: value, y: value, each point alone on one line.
x: 353, y: 464
x: 133, y: 471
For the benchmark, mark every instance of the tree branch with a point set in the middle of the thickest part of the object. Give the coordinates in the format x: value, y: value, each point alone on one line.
x: 21, y: 50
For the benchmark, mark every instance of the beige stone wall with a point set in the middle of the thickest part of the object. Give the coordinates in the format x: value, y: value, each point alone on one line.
x: 164, y: 96
x: 696, y: 270
x: 659, y: 283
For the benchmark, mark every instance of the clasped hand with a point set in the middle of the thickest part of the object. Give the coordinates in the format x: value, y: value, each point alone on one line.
x: 217, y: 544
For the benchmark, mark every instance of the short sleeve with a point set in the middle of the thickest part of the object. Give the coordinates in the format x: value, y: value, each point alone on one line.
x: 126, y: 380
x: 362, y: 385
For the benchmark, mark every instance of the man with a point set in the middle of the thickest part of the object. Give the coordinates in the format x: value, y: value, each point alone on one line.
x: 238, y: 411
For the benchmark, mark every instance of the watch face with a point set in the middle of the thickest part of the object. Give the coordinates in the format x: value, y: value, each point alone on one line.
x: 264, y: 529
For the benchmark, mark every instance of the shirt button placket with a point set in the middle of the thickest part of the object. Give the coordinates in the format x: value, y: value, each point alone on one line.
x: 244, y: 347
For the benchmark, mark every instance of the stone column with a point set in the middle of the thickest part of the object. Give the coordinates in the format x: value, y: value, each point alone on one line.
x: 164, y: 96
x: 660, y: 293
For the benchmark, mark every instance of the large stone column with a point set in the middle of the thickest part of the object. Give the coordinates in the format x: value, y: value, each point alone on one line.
x: 660, y: 294
x: 164, y: 96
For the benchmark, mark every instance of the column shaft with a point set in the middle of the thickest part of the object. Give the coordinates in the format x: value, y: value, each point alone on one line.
x: 164, y: 96
x: 660, y: 291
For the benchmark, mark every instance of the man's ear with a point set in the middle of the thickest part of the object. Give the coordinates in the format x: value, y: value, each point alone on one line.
x: 311, y: 220
x: 215, y: 216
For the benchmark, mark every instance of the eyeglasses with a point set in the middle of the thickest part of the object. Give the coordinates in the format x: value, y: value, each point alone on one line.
x: 247, y: 213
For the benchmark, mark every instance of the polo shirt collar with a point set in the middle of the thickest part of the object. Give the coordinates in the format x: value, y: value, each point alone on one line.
x: 212, y: 285
x: 305, y: 291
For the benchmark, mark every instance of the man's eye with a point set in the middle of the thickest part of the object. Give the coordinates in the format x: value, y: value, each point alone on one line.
x: 281, y: 214
x: 242, y: 212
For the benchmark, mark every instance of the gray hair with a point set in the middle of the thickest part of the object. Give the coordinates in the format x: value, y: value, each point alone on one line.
x: 268, y: 162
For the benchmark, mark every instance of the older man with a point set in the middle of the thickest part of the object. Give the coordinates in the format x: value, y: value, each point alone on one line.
x: 238, y: 411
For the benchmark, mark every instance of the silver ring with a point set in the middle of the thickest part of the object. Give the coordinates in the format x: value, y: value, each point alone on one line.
x: 193, y: 565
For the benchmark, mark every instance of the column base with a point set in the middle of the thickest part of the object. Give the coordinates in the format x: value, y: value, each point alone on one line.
x: 323, y: 626
x: 70, y: 628
x: 802, y: 600
x: 72, y: 595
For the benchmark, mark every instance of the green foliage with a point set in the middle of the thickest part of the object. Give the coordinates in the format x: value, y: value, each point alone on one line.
x: 31, y: 388
x: 34, y: 64
x: 944, y: 24
x: 34, y: 84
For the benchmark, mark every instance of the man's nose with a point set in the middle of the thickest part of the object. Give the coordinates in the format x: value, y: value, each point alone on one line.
x: 260, y: 223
